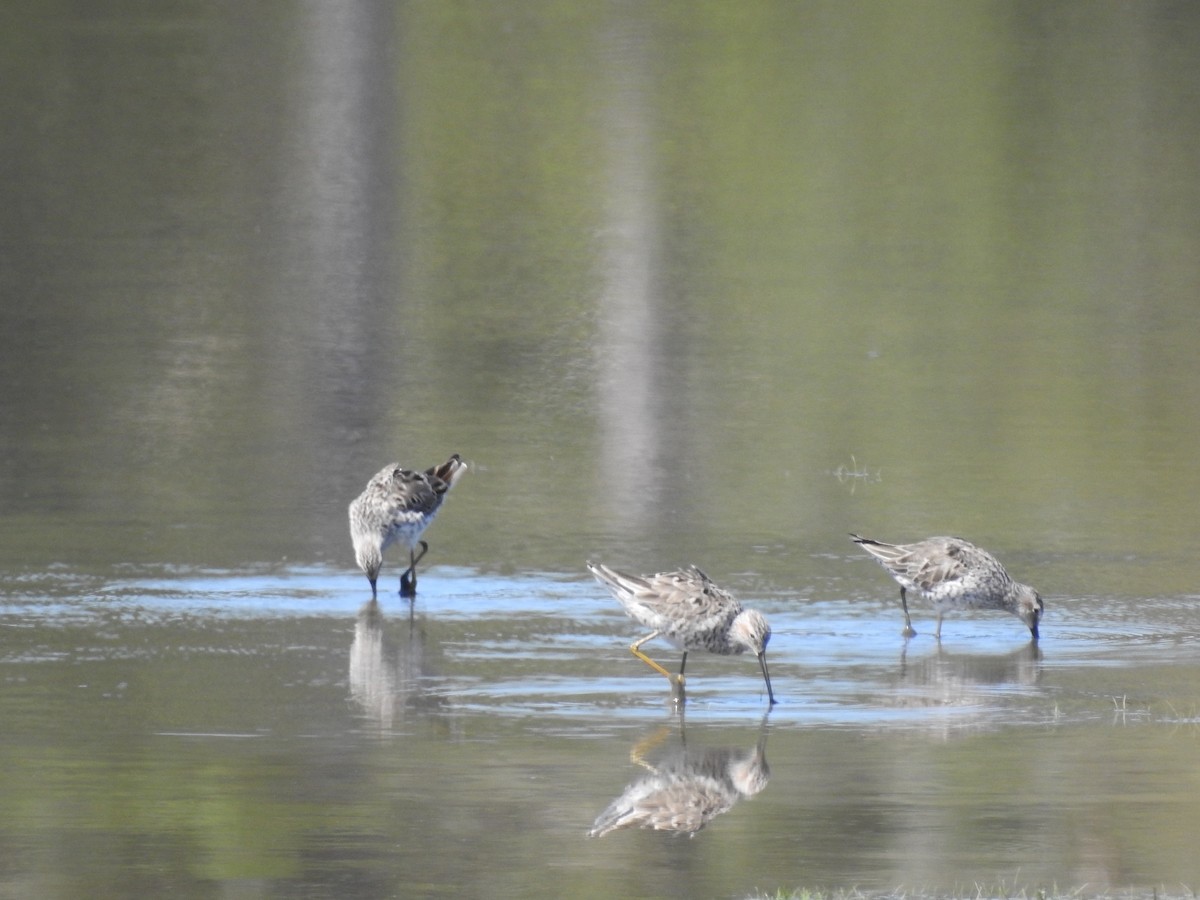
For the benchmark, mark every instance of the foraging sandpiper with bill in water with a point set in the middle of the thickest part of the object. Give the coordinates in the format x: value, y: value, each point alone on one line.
x: 690, y: 612
x: 954, y: 574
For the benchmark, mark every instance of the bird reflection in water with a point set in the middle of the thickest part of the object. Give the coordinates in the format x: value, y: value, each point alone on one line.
x: 385, y: 676
x: 687, y: 788
x: 942, y: 678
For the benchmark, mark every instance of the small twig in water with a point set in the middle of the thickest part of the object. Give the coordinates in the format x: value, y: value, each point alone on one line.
x: 854, y: 475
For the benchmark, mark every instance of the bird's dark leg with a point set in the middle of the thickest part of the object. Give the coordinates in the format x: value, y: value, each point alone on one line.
x: 408, y: 580
x: 678, y: 697
x: 909, y: 631
x: 678, y: 694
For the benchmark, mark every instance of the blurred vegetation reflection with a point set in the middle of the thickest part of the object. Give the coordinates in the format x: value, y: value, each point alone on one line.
x: 685, y: 283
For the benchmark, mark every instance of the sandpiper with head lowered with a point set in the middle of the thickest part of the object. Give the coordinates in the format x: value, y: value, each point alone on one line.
x: 954, y: 574
x: 396, y: 507
x: 690, y: 612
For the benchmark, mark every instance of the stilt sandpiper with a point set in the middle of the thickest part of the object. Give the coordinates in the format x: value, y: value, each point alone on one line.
x: 954, y: 574
x: 396, y: 507
x: 690, y: 612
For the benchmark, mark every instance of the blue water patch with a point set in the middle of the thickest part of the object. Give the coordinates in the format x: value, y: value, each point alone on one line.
x: 539, y: 644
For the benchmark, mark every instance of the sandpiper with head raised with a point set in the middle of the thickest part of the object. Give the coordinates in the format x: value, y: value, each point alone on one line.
x: 397, y: 506
x: 954, y: 574
x: 690, y: 612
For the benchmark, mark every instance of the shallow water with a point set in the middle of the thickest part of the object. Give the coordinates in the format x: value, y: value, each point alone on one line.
x: 272, y: 732
x: 685, y: 284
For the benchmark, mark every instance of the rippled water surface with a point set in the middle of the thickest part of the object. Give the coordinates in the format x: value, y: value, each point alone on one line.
x: 709, y: 284
x: 273, y: 731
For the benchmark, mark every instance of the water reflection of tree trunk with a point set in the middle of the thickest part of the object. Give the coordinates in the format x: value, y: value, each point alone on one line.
x: 336, y: 165
x: 688, y: 787
x: 630, y: 321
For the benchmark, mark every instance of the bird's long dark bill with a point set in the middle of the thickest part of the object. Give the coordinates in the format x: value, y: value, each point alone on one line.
x: 762, y: 661
x: 1034, y: 631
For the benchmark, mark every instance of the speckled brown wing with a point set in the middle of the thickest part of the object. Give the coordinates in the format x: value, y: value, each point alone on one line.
x: 933, y: 563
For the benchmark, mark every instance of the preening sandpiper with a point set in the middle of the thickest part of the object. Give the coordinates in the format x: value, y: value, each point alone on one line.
x: 396, y: 507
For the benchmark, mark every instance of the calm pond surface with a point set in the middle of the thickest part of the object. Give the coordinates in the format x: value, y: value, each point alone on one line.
x: 684, y: 283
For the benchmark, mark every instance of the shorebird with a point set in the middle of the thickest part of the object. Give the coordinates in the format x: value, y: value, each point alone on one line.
x: 690, y: 612
x: 397, y: 506
x: 954, y: 574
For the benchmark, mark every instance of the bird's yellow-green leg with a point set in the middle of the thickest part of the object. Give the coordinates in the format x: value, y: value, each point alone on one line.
x: 636, y: 649
x: 637, y: 755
